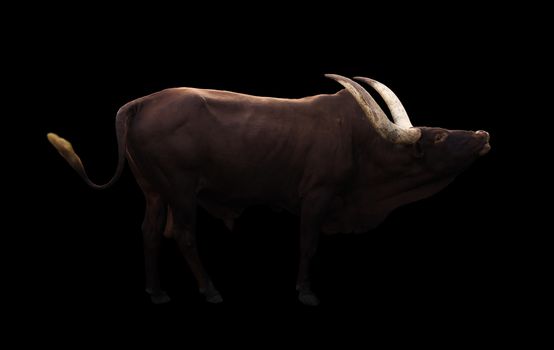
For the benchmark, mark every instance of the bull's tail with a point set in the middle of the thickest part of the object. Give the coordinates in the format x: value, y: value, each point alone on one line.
x: 66, y: 150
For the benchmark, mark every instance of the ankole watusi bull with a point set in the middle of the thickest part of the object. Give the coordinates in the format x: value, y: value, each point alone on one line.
x: 335, y: 160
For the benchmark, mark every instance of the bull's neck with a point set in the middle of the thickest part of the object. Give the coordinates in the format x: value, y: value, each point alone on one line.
x: 394, y: 175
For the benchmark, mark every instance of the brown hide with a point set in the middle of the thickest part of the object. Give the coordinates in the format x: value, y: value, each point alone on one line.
x: 242, y: 150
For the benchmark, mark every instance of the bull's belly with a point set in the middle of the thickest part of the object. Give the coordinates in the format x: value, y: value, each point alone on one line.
x: 240, y: 199
x: 229, y: 201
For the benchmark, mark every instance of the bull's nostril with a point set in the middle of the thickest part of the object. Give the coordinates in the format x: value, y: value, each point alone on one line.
x: 484, y: 134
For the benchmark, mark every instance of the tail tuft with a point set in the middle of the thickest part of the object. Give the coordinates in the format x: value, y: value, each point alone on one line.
x: 66, y: 150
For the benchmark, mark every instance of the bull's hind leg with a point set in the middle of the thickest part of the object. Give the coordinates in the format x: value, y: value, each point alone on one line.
x: 152, y: 228
x: 183, y: 209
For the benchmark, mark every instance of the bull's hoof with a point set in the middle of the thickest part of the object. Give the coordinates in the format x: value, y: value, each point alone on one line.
x: 214, y: 299
x: 157, y: 298
x: 308, y: 298
x: 212, y: 295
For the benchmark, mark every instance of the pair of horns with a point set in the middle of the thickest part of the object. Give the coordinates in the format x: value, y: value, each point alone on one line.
x: 401, y: 131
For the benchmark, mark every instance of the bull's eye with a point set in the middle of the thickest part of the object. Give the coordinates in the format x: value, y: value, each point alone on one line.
x: 440, y: 137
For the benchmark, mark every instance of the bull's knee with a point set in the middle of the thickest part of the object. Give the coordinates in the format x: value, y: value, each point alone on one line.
x: 185, y: 239
x: 153, y: 219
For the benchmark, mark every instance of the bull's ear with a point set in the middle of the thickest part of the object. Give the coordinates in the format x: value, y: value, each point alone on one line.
x: 418, y: 151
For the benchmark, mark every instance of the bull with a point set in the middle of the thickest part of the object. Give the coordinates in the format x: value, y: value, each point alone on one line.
x: 335, y: 160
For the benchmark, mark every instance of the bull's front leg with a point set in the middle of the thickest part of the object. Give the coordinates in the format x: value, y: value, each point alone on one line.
x: 314, y: 208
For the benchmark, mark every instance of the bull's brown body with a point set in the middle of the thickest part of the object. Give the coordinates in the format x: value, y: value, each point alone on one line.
x: 317, y: 157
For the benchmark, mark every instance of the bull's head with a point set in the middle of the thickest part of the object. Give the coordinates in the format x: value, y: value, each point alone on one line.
x: 455, y: 149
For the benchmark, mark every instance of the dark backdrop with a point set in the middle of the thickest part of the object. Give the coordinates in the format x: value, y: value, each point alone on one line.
x: 443, y: 259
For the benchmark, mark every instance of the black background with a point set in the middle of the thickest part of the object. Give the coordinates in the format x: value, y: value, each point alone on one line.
x: 435, y: 264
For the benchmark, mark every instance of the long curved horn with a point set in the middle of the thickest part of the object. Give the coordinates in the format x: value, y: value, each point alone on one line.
x: 397, y: 111
x: 384, y: 127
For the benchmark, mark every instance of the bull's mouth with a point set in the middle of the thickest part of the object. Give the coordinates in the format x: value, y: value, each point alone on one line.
x: 486, y: 148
